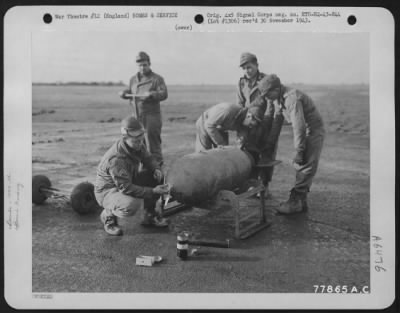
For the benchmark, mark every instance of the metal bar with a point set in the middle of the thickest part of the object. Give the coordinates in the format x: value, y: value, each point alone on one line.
x: 251, y: 192
x: 210, y: 243
x: 175, y: 209
x: 248, y: 228
x: 53, y: 196
x: 54, y: 191
x: 252, y: 229
x: 237, y: 224
x: 248, y: 216
x: 269, y: 164
x: 132, y: 103
x: 262, y: 207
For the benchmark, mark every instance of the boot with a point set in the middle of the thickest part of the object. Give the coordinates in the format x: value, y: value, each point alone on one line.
x: 110, y: 224
x: 293, y: 205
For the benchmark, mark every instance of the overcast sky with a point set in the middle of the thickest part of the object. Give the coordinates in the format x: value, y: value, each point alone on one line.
x: 200, y: 58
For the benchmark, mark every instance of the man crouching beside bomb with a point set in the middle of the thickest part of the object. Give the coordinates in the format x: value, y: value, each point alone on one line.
x: 213, y: 125
x: 308, y: 135
x: 121, y: 188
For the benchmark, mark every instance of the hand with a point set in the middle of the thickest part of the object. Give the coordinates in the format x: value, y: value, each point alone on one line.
x: 158, y: 175
x: 145, y: 95
x: 241, y: 142
x: 299, y: 158
x: 158, y: 207
x: 123, y: 95
x: 161, y: 189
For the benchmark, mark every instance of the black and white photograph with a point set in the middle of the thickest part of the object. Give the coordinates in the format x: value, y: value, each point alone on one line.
x: 232, y: 162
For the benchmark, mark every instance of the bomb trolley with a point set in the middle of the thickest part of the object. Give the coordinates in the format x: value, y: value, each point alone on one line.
x: 81, y: 197
x: 246, y: 225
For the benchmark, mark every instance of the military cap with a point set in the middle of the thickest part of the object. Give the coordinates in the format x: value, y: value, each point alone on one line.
x: 247, y: 57
x: 142, y: 56
x: 268, y: 83
x: 130, y: 126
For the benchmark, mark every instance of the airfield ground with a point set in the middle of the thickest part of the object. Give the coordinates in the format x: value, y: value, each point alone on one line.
x: 74, y: 125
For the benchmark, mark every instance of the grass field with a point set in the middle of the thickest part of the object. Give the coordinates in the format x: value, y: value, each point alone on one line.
x: 344, y: 108
x: 73, y: 126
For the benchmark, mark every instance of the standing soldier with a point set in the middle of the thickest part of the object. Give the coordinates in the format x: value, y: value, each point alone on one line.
x: 262, y: 141
x: 213, y: 125
x: 146, y: 90
x: 121, y: 188
x: 309, y: 133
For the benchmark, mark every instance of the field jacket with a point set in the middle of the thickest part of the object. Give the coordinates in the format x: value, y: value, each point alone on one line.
x: 299, y: 109
x: 119, y: 167
x: 221, y: 118
x: 152, y: 83
x: 248, y: 94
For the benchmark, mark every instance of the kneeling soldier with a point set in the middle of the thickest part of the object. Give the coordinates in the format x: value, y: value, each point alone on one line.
x: 121, y: 188
x: 308, y: 133
x: 213, y: 125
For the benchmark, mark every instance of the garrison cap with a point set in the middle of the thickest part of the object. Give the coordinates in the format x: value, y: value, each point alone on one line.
x: 268, y: 83
x: 142, y: 56
x: 247, y: 57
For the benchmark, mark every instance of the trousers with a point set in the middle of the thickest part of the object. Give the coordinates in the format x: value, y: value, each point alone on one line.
x: 263, y: 143
x: 152, y: 124
x: 306, y: 172
x: 118, y: 204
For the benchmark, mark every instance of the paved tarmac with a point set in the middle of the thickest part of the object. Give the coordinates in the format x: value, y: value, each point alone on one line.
x: 327, y: 246
x: 72, y: 253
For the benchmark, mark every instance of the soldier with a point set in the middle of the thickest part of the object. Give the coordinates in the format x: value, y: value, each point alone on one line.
x: 213, y: 125
x: 146, y: 90
x: 261, y: 141
x: 309, y: 133
x: 121, y: 188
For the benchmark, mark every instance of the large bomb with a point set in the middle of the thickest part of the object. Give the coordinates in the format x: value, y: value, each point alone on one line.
x: 200, y: 176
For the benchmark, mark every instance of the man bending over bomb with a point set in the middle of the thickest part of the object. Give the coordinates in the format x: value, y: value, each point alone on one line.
x: 121, y: 188
x: 308, y: 133
x: 213, y: 125
x: 261, y: 141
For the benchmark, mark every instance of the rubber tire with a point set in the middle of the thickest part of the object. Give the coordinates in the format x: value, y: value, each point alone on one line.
x: 83, y: 200
x: 39, y: 181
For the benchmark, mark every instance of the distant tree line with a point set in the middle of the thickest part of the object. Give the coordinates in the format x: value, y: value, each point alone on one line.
x: 74, y: 83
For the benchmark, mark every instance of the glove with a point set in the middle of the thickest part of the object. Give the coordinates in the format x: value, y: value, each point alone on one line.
x: 299, y: 158
x: 122, y: 94
x: 158, y: 175
x: 241, y: 140
x: 161, y: 189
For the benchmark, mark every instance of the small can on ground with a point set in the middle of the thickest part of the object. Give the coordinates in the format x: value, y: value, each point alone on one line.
x: 182, y: 245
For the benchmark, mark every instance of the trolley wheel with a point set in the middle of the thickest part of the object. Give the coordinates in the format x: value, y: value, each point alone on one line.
x: 83, y: 200
x: 39, y: 181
